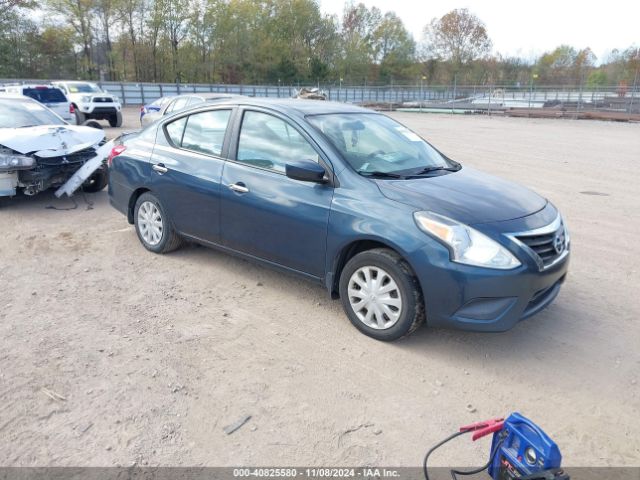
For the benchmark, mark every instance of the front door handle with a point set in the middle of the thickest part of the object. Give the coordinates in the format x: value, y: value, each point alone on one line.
x: 160, y: 168
x: 238, y: 187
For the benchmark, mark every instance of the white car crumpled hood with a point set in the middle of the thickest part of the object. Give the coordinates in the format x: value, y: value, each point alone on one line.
x: 50, y: 140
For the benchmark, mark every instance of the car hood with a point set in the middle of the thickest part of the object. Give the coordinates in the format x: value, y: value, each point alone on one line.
x: 468, y: 196
x: 50, y: 140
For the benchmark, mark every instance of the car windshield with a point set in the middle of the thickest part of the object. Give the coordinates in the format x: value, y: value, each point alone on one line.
x: 84, y: 88
x: 374, y: 144
x: 26, y: 113
x: 45, y: 94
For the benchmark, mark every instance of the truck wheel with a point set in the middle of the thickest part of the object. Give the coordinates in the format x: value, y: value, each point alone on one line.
x: 92, y: 124
x: 381, y: 295
x: 116, y: 120
x: 80, y: 117
x: 97, y: 181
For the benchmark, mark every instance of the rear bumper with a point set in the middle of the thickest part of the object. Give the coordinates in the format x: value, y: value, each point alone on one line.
x: 478, y: 299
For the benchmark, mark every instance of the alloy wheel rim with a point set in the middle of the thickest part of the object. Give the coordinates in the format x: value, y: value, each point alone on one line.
x: 150, y: 223
x: 375, y: 297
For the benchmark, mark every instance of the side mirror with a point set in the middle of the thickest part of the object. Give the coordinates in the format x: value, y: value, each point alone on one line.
x: 306, y: 172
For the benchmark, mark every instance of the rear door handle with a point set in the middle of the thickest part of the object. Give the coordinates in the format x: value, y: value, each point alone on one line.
x: 160, y: 168
x: 238, y: 187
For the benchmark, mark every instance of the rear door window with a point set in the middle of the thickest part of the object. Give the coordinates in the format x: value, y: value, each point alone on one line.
x: 179, y: 104
x: 195, y: 100
x: 45, y: 95
x: 205, y: 131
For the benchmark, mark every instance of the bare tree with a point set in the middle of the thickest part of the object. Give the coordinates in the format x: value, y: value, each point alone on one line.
x: 176, y: 18
x: 78, y: 14
x: 131, y: 14
x: 459, y: 37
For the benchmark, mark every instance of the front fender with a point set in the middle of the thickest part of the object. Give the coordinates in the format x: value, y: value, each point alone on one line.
x: 358, y: 216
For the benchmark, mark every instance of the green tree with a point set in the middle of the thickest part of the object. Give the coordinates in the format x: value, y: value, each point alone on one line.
x: 358, y: 26
x: 393, y: 47
x: 597, y: 78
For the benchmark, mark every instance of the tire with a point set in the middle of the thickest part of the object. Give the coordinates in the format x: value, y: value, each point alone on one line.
x: 169, y: 239
x: 80, y: 117
x: 92, y: 124
x: 393, y: 319
x: 116, y: 120
x: 97, y: 181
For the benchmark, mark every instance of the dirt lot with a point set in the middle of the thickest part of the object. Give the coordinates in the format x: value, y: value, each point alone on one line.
x: 112, y: 355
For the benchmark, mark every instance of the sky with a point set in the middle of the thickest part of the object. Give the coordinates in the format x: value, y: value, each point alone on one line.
x: 527, y: 29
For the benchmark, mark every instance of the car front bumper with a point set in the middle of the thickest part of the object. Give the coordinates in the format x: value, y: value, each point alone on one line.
x: 99, y: 108
x: 479, y: 299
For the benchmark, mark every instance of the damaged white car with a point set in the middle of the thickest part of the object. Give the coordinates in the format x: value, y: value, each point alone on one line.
x: 39, y: 150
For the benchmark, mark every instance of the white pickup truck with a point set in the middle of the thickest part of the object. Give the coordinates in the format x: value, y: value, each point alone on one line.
x: 91, y: 102
x: 48, y: 95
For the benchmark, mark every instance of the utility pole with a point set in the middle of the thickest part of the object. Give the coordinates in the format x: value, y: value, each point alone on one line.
x: 455, y: 84
x: 533, y: 76
x: 635, y: 81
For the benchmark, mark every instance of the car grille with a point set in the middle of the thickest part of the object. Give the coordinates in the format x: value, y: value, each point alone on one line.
x: 102, y: 100
x: 76, y: 157
x: 548, y: 246
x: 104, y: 110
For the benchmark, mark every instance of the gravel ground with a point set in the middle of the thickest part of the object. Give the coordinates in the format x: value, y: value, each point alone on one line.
x: 111, y: 355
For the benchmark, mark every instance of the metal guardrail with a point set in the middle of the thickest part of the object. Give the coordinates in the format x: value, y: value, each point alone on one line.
x: 436, y: 96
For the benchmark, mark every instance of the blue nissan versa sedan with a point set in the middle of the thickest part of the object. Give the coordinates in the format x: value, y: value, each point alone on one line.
x: 350, y: 198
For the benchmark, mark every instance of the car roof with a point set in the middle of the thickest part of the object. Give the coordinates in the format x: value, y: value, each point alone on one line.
x: 205, y: 95
x: 15, y: 96
x: 76, y: 81
x: 300, y: 106
x: 40, y: 86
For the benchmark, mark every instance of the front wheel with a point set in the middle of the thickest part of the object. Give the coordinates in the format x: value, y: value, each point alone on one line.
x: 381, y: 295
x: 97, y: 181
x: 115, y: 120
x: 80, y: 117
x: 153, y: 227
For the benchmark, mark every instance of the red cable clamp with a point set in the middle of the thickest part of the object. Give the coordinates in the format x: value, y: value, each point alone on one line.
x: 483, y: 428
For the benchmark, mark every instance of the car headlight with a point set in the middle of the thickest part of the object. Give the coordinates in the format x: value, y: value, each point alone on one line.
x: 86, y: 99
x: 467, y: 245
x: 10, y: 162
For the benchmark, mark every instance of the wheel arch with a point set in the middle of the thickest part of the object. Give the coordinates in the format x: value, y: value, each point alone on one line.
x: 353, y: 248
x: 132, y: 202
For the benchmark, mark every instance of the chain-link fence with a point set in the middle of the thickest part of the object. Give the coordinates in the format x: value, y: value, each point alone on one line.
x: 606, y: 102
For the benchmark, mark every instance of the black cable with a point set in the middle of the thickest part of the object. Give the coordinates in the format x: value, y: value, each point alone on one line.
x: 454, y: 473
x: 426, y: 457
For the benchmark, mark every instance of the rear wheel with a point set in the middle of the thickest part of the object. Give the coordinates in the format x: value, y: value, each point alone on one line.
x: 381, y: 295
x: 153, y: 227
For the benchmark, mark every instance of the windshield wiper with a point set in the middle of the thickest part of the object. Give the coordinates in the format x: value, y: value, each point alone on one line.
x: 428, y: 170
x: 378, y: 174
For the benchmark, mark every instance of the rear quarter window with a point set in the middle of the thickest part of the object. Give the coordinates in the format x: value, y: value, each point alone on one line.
x: 175, y: 131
